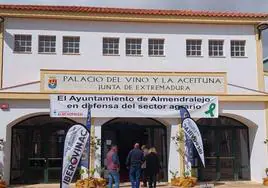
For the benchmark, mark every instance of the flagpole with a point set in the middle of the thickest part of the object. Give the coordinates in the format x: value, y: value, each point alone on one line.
x: 85, y: 160
x: 184, y: 113
x: 92, y: 147
x: 181, y: 146
x: 89, y: 126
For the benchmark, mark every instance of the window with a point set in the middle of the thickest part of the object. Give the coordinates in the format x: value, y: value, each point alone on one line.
x: 238, y: 48
x: 47, y: 44
x: 110, y: 46
x: 193, y: 47
x: 133, y: 46
x: 215, y: 48
x: 71, y: 45
x: 156, y: 47
x: 23, y: 43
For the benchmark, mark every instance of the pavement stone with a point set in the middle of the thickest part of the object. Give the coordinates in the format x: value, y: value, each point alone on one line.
x: 237, y: 184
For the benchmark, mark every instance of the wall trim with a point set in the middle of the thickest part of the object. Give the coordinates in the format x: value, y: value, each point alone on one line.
x: 45, y: 96
x: 1, y: 53
x: 266, y: 119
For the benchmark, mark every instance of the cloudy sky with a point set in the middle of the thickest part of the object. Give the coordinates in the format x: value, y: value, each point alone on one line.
x: 218, y: 5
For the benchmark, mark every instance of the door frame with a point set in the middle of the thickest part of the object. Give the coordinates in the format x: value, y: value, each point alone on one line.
x: 158, y: 124
x: 44, y: 130
x: 218, y: 158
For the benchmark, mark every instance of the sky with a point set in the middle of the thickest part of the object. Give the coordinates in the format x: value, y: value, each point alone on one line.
x: 259, y: 6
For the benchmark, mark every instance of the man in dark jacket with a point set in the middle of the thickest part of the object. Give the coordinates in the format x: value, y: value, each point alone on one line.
x: 134, y: 161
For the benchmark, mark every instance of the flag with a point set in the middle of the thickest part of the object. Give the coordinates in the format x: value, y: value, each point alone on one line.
x: 184, y: 113
x: 74, y: 145
x: 85, y: 157
x: 190, y: 128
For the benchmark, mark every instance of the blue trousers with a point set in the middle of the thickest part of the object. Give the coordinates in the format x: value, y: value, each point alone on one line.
x: 113, y: 177
x: 134, y: 176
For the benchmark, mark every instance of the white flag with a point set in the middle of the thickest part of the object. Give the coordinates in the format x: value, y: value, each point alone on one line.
x: 74, y: 146
x: 191, y: 130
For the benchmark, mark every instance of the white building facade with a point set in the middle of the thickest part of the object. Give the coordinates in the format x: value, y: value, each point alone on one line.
x: 82, y: 41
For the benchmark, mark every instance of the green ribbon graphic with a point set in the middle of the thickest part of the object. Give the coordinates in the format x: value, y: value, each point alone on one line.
x: 211, y: 109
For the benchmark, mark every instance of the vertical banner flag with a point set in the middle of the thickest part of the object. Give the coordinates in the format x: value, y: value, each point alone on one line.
x: 74, y: 145
x: 86, y: 154
x: 191, y: 130
x: 188, y: 147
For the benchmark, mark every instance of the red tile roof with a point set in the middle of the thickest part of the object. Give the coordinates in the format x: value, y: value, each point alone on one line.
x: 82, y: 9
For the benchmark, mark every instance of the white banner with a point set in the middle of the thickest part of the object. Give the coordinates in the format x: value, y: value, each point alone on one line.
x: 132, y: 106
x: 74, y: 146
x: 191, y: 130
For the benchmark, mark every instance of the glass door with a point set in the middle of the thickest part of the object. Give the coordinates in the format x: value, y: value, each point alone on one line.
x: 219, y: 149
x: 19, y: 151
x: 54, y: 152
x: 36, y: 156
x: 226, y: 145
x: 226, y: 153
x: 210, y: 172
x: 44, y: 154
x: 45, y: 157
x: 37, y: 149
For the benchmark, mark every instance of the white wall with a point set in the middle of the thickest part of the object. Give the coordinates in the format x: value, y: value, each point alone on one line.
x: 23, y: 68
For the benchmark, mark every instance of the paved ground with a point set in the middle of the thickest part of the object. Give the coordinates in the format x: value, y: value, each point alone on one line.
x: 239, y: 184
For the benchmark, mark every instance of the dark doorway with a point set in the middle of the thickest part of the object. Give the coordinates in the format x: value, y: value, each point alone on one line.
x: 125, y: 132
x: 37, y: 148
x: 226, y: 148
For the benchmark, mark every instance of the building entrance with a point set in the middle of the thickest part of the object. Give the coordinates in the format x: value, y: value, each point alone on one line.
x: 125, y: 132
x: 37, y: 149
x: 226, y: 148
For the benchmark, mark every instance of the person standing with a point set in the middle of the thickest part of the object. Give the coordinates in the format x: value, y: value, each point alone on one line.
x: 113, y: 166
x: 134, y: 161
x: 145, y: 151
x: 152, y: 166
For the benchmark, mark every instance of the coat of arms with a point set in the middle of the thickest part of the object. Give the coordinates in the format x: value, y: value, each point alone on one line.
x: 52, y: 82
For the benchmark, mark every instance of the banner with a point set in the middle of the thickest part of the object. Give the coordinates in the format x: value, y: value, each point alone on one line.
x: 86, y: 154
x: 74, y: 146
x: 191, y: 130
x: 132, y: 106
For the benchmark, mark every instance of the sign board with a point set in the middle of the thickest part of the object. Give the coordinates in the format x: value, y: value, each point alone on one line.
x: 132, y: 106
x: 108, y: 142
x: 91, y: 82
x: 210, y: 185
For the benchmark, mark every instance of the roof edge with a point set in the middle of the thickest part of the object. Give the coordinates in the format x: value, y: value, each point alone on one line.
x: 81, y: 12
x: 129, y: 18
